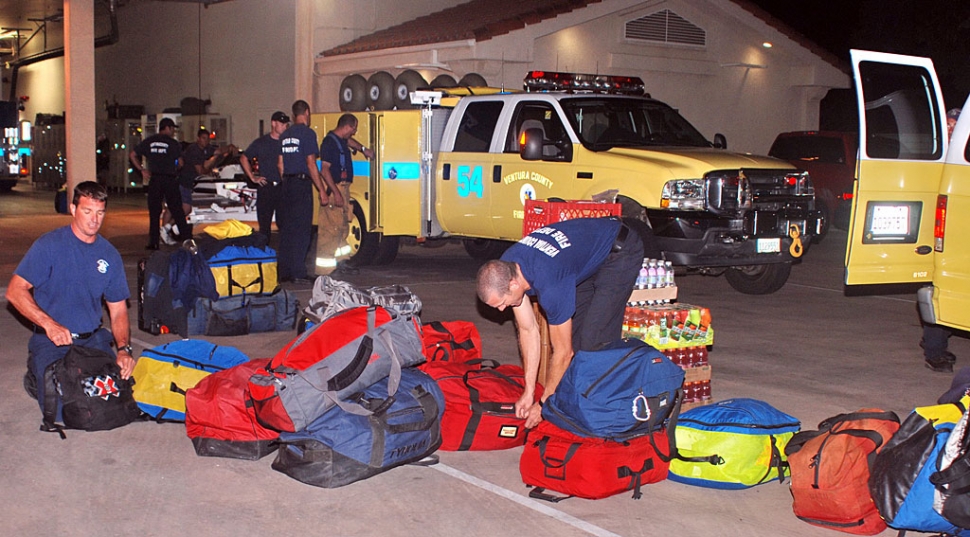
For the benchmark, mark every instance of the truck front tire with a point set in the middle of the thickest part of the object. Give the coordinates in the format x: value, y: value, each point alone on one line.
x: 369, y: 248
x: 485, y: 249
x: 758, y: 279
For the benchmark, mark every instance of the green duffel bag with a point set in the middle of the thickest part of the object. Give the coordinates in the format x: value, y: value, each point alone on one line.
x: 747, y: 437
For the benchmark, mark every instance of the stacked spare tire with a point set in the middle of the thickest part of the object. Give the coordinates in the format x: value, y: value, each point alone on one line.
x: 383, y: 91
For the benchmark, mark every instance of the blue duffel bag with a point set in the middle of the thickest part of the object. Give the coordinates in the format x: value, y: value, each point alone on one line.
x: 367, y: 434
x: 624, y: 390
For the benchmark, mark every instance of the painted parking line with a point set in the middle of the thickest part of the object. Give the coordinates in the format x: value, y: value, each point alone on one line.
x: 525, y: 501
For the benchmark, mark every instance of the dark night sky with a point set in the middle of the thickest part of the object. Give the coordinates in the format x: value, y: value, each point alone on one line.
x: 938, y: 29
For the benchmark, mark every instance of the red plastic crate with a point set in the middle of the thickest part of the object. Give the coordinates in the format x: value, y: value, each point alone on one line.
x: 540, y: 213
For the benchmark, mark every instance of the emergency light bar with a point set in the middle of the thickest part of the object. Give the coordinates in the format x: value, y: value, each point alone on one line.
x: 574, y: 82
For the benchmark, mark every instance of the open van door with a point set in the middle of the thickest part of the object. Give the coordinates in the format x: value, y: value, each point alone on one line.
x: 902, y: 148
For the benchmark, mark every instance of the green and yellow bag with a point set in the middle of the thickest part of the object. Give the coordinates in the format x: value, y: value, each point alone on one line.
x: 745, y: 438
x: 244, y: 270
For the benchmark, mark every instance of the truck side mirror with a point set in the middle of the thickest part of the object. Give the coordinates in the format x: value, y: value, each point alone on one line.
x: 720, y: 141
x: 530, y: 146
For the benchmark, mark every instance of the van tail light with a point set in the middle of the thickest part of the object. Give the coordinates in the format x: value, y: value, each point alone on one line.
x: 939, y: 225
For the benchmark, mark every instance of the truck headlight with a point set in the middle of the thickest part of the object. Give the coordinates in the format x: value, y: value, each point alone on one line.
x: 684, y: 194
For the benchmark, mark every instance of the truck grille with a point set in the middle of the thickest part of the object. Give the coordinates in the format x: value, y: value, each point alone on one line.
x: 736, y: 191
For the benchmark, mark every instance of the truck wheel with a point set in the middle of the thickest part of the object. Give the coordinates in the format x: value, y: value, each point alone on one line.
x: 758, y: 279
x: 472, y: 80
x: 380, y: 90
x: 353, y: 94
x: 364, y: 244
x: 387, y: 250
x: 404, y: 84
x: 485, y: 249
x: 444, y: 81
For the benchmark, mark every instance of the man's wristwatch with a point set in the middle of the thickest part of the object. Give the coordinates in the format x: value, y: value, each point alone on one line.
x: 128, y: 349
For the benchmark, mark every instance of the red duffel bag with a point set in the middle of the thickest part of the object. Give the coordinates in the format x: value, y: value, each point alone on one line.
x: 451, y: 341
x: 590, y: 468
x: 480, y: 398
x: 219, y: 416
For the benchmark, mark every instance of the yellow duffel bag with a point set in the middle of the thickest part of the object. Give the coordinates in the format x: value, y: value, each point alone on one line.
x: 245, y: 270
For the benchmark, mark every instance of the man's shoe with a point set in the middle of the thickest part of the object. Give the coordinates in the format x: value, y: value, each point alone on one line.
x: 151, y: 247
x: 345, y: 268
x: 940, y: 365
x: 950, y: 357
x: 166, y: 236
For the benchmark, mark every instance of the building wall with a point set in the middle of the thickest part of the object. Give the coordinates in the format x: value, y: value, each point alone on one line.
x: 733, y: 85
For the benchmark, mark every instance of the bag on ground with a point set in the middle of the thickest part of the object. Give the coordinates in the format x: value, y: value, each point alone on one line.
x: 830, y: 470
x: 900, y: 479
x: 244, y: 314
x: 451, y: 341
x: 341, y: 447
x: 742, y: 439
x: 557, y: 460
x: 952, y: 481
x: 330, y: 296
x: 219, y: 416
x: 93, y: 395
x: 245, y: 270
x: 341, y: 356
x: 164, y: 373
x: 625, y: 390
x: 480, y: 398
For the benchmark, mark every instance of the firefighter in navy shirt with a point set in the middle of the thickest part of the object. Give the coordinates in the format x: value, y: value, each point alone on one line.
x: 581, y: 272
x: 163, y: 158
x: 298, y: 167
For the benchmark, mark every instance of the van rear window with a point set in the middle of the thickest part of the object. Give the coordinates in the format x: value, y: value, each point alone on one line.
x: 809, y: 148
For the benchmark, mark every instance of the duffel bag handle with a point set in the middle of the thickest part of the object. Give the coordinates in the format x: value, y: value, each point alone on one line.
x: 429, y: 411
x: 539, y: 493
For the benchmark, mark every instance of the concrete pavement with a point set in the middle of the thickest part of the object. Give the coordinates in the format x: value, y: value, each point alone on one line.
x: 808, y: 350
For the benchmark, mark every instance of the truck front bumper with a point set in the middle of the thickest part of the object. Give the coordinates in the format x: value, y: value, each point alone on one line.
x: 924, y: 298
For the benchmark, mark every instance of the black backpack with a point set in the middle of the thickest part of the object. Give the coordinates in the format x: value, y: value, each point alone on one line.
x: 93, y: 395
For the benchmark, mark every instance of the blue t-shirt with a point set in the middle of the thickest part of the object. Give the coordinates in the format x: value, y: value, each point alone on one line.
x: 70, y: 277
x: 266, y: 151
x: 298, y: 142
x: 161, y: 153
x: 336, y: 151
x: 557, y: 258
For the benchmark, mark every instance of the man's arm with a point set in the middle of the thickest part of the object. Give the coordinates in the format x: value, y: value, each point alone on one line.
x: 136, y: 162
x: 19, y: 295
x: 357, y: 146
x: 118, y: 311
x: 561, y: 338
x: 529, y: 348
x: 248, y: 170
x: 324, y: 181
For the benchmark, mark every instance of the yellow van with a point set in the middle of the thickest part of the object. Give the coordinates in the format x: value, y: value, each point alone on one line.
x: 911, y: 212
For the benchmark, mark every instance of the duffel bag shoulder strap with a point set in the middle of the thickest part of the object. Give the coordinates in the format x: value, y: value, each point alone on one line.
x: 635, y: 476
x: 380, y: 427
x: 50, y: 404
x: 672, y: 451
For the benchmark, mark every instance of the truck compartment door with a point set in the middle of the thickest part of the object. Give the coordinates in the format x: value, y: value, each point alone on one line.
x: 902, y: 146
x: 397, y: 172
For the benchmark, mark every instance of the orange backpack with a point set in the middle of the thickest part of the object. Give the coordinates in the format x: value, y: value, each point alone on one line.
x: 830, y: 470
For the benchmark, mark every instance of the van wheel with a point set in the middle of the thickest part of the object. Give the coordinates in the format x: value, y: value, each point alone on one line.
x: 485, y: 249
x: 404, y: 84
x: 353, y: 94
x: 380, y: 90
x: 758, y: 279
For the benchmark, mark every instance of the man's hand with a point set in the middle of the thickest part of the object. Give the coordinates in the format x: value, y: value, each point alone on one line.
x: 259, y: 180
x: 126, y: 363
x: 368, y: 153
x: 338, y: 198
x: 324, y: 199
x: 526, y: 408
x: 145, y: 174
x: 59, y: 335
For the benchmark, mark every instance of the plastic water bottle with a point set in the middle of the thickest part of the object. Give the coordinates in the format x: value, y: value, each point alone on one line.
x: 661, y: 274
x: 669, y: 270
x: 652, y: 274
x: 642, y: 277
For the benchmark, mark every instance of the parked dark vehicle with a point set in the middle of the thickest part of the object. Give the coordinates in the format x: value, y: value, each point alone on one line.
x: 830, y: 159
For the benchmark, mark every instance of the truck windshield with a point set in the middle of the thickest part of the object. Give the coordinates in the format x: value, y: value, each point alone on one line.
x: 604, y: 123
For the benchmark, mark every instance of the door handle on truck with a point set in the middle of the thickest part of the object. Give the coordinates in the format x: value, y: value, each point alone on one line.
x: 446, y: 172
x: 497, y: 174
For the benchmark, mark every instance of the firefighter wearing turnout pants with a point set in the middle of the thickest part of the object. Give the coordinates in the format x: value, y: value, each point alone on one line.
x: 581, y: 272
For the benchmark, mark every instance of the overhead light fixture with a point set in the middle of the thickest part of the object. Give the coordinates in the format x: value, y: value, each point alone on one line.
x: 767, y: 44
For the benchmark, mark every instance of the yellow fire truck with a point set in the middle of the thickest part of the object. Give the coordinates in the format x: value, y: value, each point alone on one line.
x: 462, y: 166
x: 912, y: 192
